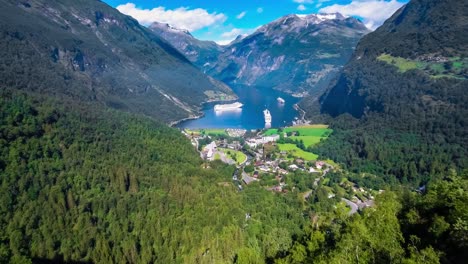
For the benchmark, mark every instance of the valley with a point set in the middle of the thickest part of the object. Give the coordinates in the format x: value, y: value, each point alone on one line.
x: 309, y: 132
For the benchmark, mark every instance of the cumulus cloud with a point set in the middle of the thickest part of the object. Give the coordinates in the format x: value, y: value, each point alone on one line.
x: 260, y: 10
x: 182, y: 17
x: 310, y: 1
x: 233, y: 33
x: 241, y: 15
x: 301, y: 8
x: 373, y: 12
x: 223, y: 42
x: 228, y: 36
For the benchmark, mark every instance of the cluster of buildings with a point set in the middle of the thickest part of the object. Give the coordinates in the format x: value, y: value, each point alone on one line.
x: 279, y: 166
x: 233, y: 132
x: 255, y: 142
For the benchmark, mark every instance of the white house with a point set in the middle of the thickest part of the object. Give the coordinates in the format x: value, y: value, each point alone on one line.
x: 271, y: 138
x: 210, y: 149
x: 252, y: 143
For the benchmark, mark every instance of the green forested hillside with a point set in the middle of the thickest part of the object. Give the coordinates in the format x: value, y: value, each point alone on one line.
x: 82, y: 183
x: 399, y: 106
x: 405, y: 227
x: 89, y: 51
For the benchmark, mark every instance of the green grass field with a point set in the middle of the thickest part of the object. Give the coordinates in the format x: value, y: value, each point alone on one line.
x: 240, y: 157
x: 297, y: 152
x: 308, y: 140
x: 309, y: 134
x: 402, y: 64
x: 308, y: 130
x: 206, y: 131
x: 455, y: 67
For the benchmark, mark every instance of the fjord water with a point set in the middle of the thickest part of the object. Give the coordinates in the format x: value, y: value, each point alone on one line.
x: 250, y: 116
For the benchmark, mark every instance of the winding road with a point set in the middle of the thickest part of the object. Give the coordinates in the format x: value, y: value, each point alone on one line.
x: 354, y: 207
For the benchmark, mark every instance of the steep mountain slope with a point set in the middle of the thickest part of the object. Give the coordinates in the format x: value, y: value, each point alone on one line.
x: 418, y: 58
x: 401, y: 101
x: 201, y: 53
x: 87, y: 50
x: 293, y: 54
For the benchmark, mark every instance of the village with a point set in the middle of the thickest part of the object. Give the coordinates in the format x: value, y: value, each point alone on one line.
x: 279, y: 160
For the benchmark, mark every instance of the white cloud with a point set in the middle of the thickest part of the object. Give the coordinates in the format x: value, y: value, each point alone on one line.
x: 301, y: 8
x: 223, y: 42
x: 310, y: 1
x: 228, y: 36
x: 241, y: 15
x: 373, y: 12
x: 232, y: 34
x: 260, y: 10
x: 182, y: 17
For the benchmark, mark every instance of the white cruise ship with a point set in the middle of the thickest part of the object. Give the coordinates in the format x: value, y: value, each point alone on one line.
x: 280, y: 100
x: 223, y: 107
x: 267, y: 116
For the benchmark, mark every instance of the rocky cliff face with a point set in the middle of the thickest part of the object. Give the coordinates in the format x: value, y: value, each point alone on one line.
x: 87, y: 50
x: 201, y: 53
x: 296, y: 54
x: 412, y: 67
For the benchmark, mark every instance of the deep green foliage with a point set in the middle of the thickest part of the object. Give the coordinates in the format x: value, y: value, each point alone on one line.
x: 404, y: 227
x: 81, y: 183
x: 410, y: 126
x: 439, y: 218
x: 395, y: 155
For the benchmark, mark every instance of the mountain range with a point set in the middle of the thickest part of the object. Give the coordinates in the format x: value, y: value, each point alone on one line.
x: 201, y: 53
x: 89, y: 51
x: 414, y: 68
x: 295, y: 53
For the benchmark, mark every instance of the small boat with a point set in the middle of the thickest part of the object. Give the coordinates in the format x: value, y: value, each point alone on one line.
x: 267, y: 116
x: 223, y: 107
x: 280, y: 100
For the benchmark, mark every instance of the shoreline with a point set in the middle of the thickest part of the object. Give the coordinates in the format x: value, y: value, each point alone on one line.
x: 299, y: 109
x: 204, y: 105
x: 177, y: 122
x: 200, y: 111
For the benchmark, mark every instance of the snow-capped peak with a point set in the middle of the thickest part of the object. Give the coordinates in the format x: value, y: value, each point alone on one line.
x: 321, y: 17
x: 169, y: 27
x: 327, y: 16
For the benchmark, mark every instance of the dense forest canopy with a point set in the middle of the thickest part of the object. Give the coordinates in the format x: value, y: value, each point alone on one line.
x: 399, y: 106
x: 85, y: 181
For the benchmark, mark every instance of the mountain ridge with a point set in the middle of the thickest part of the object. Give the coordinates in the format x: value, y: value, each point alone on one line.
x: 91, y: 51
x: 394, y: 99
x: 412, y: 36
x: 321, y: 43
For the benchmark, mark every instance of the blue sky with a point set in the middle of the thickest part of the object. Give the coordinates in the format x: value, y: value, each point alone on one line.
x: 223, y: 20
